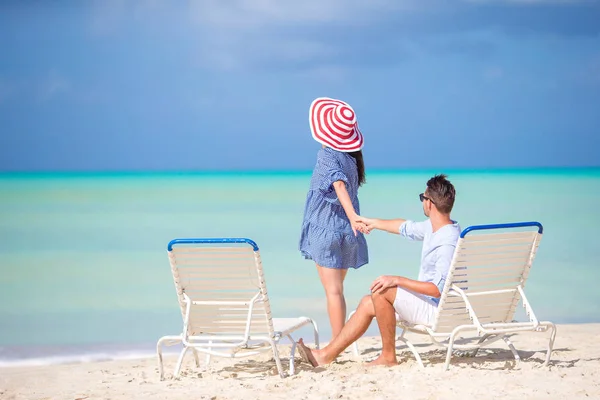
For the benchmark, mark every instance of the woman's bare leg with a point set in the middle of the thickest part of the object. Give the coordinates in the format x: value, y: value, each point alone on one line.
x: 332, y: 280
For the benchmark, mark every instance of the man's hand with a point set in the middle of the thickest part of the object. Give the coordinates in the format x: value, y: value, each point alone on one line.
x: 368, y: 223
x: 384, y: 282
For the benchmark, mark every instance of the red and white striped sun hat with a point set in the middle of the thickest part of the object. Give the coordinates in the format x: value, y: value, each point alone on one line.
x: 333, y: 123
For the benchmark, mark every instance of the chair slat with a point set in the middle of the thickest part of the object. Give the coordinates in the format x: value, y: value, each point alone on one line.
x: 208, y: 250
x: 196, y: 284
x: 207, y: 273
x: 482, y: 263
x: 227, y: 331
x: 203, y: 295
x: 472, y: 279
x: 508, y: 242
x: 512, y: 250
x: 528, y: 235
x: 498, y: 257
x: 210, y: 262
x: 488, y: 267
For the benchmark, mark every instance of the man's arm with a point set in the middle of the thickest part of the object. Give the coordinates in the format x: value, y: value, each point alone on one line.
x: 385, y: 282
x: 426, y: 288
x: 406, y: 228
x: 388, y: 225
x: 442, y: 265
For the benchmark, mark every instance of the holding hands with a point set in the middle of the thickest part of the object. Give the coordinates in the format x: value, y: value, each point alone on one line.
x: 362, y: 224
x: 358, y: 225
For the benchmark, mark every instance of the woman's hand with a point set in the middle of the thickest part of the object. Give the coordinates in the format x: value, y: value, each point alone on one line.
x: 358, y: 226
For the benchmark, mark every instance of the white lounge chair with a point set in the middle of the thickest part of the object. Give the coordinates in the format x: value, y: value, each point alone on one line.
x: 224, y: 303
x: 485, y: 283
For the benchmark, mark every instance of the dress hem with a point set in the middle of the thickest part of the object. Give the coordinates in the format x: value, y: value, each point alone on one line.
x: 308, y: 256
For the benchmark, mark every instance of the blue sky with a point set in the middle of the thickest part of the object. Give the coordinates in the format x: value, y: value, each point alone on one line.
x: 226, y: 85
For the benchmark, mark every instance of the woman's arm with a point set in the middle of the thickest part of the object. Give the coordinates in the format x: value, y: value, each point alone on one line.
x: 344, y: 198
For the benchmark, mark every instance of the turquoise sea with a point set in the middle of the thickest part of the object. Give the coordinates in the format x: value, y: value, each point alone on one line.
x: 84, y: 270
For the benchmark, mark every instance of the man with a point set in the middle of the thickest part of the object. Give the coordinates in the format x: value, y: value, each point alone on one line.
x: 413, y: 301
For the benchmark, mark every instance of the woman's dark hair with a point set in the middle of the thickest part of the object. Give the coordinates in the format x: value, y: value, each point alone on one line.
x: 360, y: 165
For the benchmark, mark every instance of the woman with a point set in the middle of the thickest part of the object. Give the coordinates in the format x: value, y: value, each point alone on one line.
x: 331, y: 236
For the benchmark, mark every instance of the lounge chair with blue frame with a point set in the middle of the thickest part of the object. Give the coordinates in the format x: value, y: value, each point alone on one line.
x: 485, y: 283
x: 224, y: 303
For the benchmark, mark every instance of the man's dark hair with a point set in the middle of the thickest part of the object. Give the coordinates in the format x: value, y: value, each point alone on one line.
x: 442, y: 193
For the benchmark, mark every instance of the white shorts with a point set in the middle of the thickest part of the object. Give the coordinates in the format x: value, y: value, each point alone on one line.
x: 413, y: 308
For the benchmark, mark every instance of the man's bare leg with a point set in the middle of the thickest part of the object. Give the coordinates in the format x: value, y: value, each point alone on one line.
x: 386, y: 320
x: 354, y: 329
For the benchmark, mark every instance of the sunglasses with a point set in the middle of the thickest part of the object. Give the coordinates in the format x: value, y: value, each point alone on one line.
x: 423, y: 197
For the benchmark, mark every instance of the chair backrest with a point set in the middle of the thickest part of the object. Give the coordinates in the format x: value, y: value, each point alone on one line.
x: 225, y: 276
x: 490, y: 263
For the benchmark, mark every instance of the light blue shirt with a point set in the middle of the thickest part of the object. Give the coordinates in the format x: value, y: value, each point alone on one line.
x: 438, y: 250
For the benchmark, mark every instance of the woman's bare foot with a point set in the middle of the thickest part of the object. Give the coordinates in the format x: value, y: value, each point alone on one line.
x: 388, y: 362
x: 312, y: 356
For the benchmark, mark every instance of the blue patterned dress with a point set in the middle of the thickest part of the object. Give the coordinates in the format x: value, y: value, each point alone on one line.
x: 327, y: 236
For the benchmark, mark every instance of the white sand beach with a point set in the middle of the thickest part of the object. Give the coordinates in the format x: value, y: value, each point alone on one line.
x: 574, y: 372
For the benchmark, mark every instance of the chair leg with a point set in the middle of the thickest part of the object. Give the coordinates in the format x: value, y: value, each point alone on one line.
x: 355, y: 348
x: 512, y: 348
x: 277, y: 359
x: 450, y: 345
x: 315, y: 333
x: 483, y: 339
x: 472, y: 353
x: 161, y: 371
x: 180, y: 361
x: 207, y: 359
x: 355, y: 344
x: 196, y: 358
x: 292, y: 355
x: 165, y: 340
x: 411, y: 347
x: 550, y: 341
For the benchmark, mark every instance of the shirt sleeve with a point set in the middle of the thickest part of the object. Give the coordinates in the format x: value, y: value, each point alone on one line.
x: 442, y: 265
x: 331, y: 172
x: 413, y: 230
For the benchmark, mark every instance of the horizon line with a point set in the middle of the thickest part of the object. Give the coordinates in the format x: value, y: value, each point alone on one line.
x: 454, y: 170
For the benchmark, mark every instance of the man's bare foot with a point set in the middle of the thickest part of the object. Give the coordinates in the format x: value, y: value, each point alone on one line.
x: 312, y: 356
x: 383, y: 361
